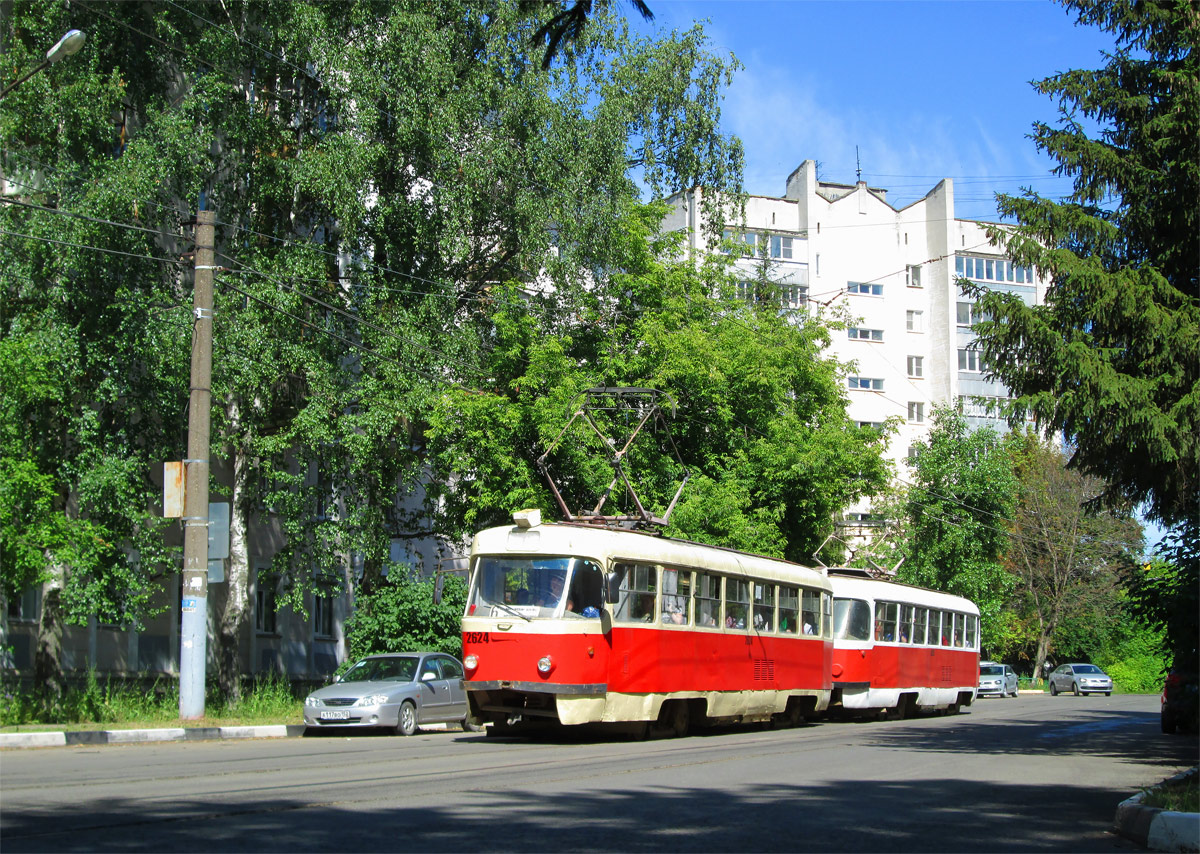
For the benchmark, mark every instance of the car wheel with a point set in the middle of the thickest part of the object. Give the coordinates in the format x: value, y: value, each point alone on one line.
x: 1053, y: 690
x: 406, y: 720
x: 1075, y: 688
x: 1167, y: 722
x: 1108, y: 693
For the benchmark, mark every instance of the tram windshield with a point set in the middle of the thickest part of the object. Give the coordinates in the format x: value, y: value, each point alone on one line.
x: 851, y: 619
x: 535, y: 588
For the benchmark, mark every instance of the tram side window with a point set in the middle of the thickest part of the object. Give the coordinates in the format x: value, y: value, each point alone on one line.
x: 676, y: 592
x: 764, y: 607
x: 810, y: 614
x: 635, y: 603
x: 851, y: 619
x: 959, y: 624
x: 971, y: 621
x: 789, y: 609
x: 708, y: 599
x: 826, y: 614
x: 885, y: 621
x: 737, y: 602
x: 906, y: 623
x: 920, y: 624
x: 947, y: 627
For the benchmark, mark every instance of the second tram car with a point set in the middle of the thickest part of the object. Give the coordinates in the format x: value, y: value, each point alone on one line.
x: 571, y: 624
x: 899, y: 649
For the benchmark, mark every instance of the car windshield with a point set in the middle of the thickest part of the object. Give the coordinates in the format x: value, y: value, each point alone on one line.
x: 991, y: 670
x: 535, y: 587
x: 1087, y: 668
x: 851, y: 619
x: 382, y: 670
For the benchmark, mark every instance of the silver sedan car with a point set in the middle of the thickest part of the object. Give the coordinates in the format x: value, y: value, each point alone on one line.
x: 999, y: 680
x: 399, y: 691
x: 1081, y: 679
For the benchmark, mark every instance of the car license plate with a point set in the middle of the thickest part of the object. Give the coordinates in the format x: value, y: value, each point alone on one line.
x: 341, y: 715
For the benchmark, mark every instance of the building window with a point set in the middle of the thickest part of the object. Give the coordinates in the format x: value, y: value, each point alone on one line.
x: 264, y: 603
x: 781, y: 247
x: 914, y: 321
x: 916, y: 366
x: 873, y: 425
x: 323, y: 612
x: 866, y: 288
x: 856, y: 334
x: 912, y: 275
x: 968, y: 314
x: 865, y: 383
x: 23, y: 608
x: 913, y: 450
x: 793, y: 296
x: 970, y: 360
x: 992, y: 270
x: 916, y: 412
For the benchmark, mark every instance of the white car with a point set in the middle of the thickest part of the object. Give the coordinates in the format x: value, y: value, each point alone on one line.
x: 999, y: 680
x: 1080, y: 679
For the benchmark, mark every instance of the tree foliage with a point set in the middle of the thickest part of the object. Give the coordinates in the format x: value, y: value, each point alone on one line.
x: 761, y: 416
x: 952, y: 519
x: 1067, y: 561
x: 1112, y: 359
x: 400, y: 616
x: 385, y: 177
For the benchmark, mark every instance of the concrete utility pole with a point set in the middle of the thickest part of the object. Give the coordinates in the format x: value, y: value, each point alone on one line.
x: 193, y: 627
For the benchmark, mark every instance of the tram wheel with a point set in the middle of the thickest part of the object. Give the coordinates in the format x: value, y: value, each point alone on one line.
x: 679, y: 720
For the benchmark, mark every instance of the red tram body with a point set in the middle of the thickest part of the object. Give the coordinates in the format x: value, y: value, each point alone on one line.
x: 899, y: 649
x: 571, y: 624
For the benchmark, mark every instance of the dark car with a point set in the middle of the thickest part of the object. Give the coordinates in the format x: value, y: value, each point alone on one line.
x: 399, y: 691
x: 1180, y: 702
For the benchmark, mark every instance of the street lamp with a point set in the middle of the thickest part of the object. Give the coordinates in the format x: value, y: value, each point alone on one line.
x: 67, y: 45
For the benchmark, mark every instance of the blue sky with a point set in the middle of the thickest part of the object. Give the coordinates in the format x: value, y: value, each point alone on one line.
x: 926, y: 90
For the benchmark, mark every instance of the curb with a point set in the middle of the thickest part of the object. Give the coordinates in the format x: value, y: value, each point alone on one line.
x: 10, y: 740
x: 1158, y: 829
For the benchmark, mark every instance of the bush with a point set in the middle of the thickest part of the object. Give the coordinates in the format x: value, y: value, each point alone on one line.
x: 401, y: 617
x: 1137, y: 675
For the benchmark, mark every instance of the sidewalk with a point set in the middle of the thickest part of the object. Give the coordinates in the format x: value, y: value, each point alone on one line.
x: 136, y: 736
x: 1157, y: 829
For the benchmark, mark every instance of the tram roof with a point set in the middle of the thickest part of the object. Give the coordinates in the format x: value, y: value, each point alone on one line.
x: 558, y: 538
x: 859, y: 585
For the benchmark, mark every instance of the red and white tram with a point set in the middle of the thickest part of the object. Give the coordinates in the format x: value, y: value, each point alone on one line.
x: 899, y: 648
x: 571, y: 624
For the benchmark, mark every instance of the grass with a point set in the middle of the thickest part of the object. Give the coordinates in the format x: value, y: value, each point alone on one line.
x: 124, y: 705
x: 1177, y: 796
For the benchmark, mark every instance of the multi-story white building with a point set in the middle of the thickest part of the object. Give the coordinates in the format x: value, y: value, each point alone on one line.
x: 895, y: 271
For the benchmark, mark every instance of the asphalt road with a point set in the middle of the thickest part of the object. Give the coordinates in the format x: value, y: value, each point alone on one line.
x: 1029, y: 774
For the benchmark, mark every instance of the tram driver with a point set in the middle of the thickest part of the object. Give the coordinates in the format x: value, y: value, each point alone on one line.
x: 555, y: 594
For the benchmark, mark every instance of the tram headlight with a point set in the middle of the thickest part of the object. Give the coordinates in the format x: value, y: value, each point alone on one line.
x: 471, y: 661
x: 545, y: 665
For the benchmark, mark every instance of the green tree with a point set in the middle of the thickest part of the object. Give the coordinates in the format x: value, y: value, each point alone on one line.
x: 379, y: 172
x: 952, y: 519
x: 1112, y: 359
x: 1067, y: 561
x: 761, y: 419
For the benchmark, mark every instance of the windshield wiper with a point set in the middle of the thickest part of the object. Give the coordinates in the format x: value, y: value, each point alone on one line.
x: 511, y: 611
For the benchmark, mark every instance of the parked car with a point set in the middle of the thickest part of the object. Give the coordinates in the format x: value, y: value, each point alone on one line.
x: 1081, y: 679
x: 999, y: 680
x: 1180, y: 702
x: 399, y: 691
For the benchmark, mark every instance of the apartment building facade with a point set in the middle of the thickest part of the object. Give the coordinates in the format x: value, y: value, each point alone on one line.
x: 896, y: 272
